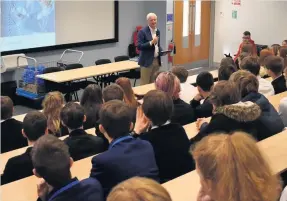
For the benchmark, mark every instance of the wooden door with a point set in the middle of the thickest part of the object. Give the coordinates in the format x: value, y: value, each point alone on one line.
x: 191, y: 30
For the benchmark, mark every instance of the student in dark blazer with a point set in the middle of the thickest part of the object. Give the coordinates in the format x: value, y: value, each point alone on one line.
x: 81, y: 144
x: 11, y: 129
x: 275, y: 67
x: 182, y: 112
x: 229, y: 114
x: 169, y: 140
x: 150, y: 50
x: 269, y: 118
x: 205, y: 83
x: 18, y: 167
x: 127, y: 156
x: 53, y: 167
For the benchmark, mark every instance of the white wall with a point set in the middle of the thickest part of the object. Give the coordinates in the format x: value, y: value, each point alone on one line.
x: 266, y: 20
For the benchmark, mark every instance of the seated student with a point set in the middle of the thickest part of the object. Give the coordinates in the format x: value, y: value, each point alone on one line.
x: 92, y: 101
x: 246, y: 39
x: 113, y: 92
x: 52, y: 106
x: 252, y: 65
x: 187, y: 90
x: 283, y: 54
x: 11, y: 129
x: 204, y: 82
x: 139, y: 189
x: 127, y: 156
x: 275, y: 67
x: 231, y: 167
x: 182, y: 112
x: 229, y: 114
x: 276, y: 49
x: 284, y: 43
x: 269, y: 118
x: 262, y: 58
x: 169, y: 140
x: 283, y: 105
x: 81, y: 144
x: 18, y: 167
x: 52, y: 163
x: 224, y: 72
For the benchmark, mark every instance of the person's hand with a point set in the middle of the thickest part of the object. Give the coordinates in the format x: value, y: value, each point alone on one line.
x: 201, y: 121
x: 154, y: 40
x: 198, y: 97
x: 202, y: 196
x: 142, y: 122
x: 43, y: 189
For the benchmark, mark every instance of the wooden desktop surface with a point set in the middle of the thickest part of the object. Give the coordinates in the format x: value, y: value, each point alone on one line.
x: 86, y: 72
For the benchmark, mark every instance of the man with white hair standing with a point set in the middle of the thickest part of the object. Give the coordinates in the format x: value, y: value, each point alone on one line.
x: 150, y: 50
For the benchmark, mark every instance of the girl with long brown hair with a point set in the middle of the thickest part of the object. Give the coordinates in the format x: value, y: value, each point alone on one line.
x: 52, y: 106
x: 129, y: 96
x: 232, y: 168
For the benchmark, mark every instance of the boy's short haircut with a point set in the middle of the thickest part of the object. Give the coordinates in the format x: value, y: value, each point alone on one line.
x: 72, y: 115
x: 275, y: 64
x: 158, y: 107
x: 34, y: 125
x: 51, y: 160
x: 224, y: 72
x: 116, y: 118
x: 6, y: 107
x: 251, y: 64
x: 205, y: 81
x: 246, y: 33
x: 180, y: 72
x: 113, y: 92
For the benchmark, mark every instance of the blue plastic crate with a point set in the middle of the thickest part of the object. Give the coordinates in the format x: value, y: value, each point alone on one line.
x: 27, y: 94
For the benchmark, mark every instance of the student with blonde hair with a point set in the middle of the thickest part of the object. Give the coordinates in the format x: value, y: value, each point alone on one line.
x: 232, y: 168
x: 170, y: 84
x: 139, y: 188
x: 52, y: 106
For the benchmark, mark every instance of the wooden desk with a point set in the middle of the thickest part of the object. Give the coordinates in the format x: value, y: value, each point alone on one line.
x: 86, y: 72
x: 143, y: 89
x: 6, y: 156
x: 274, y: 149
x: 275, y: 99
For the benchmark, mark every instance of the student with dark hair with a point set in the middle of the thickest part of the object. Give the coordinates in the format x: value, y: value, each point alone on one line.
x: 224, y: 72
x: 18, y: 167
x: 92, y: 101
x: 126, y: 156
x: 269, y: 119
x: 229, y: 114
x: 113, y: 92
x: 52, y: 163
x: 169, y: 140
x: 187, y: 89
x: 284, y: 43
x: 81, y: 144
x: 252, y: 65
x: 204, y: 82
x: 11, y: 129
x: 275, y: 67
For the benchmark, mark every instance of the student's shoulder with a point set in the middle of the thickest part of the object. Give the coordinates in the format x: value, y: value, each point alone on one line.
x: 13, y: 122
x: 91, y: 182
x: 19, y: 160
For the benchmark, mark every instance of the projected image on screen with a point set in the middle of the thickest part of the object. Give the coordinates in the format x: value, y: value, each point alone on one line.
x: 28, y: 17
x: 29, y: 24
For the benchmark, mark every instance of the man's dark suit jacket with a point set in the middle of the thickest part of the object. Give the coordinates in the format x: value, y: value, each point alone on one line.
x: 126, y: 157
x: 18, y: 167
x: 146, y: 50
x: 82, y: 145
x: 11, y: 135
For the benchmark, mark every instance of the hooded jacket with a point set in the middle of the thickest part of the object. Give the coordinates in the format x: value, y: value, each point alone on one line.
x: 229, y: 118
x: 269, y: 117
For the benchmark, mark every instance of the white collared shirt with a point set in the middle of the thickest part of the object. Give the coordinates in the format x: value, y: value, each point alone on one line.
x: 265, y: 87
x: 153, y: 34
x: 166, y: 123
x: 187, y: 92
